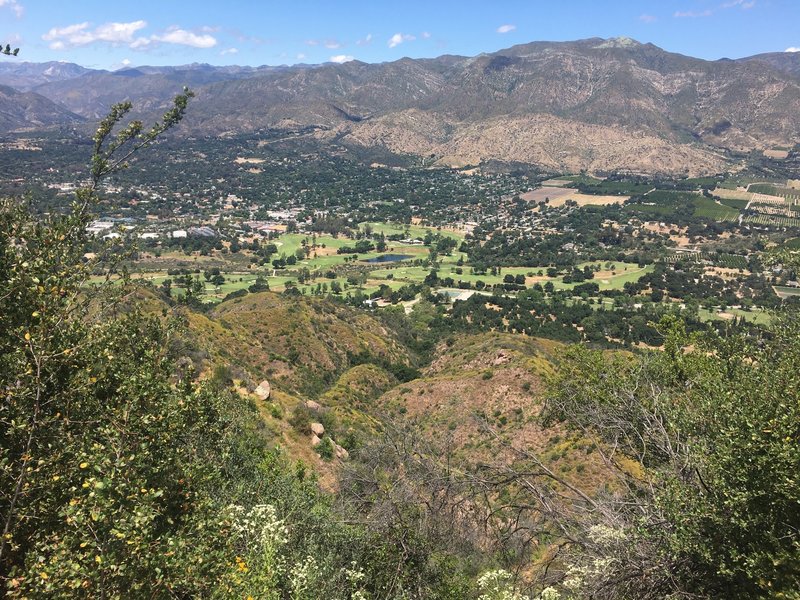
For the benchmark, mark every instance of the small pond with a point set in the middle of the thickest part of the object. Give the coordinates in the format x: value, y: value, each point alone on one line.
x: 387, y: 258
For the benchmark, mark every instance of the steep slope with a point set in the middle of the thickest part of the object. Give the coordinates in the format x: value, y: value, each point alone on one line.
x: 610, y: 104
x: 28, y: 110
x: 592, y: 104
x: 298, y: 344
x: 479, y: 381
x: 92, y: 94
x: 788, y: 62
x: 550, y: 142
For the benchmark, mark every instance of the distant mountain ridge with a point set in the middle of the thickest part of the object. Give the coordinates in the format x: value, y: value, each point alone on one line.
x: 24, y: 76
x: 28, y: 110
x: 595, y: 104
x: 788, y: 62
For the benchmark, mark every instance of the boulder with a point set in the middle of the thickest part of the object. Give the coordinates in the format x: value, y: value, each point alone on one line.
x: 318, y: 429
x: 501, y: 358
x: 315, y: 441
x: 311, y: 405
x: 341, y: 453
x: 263, y: 390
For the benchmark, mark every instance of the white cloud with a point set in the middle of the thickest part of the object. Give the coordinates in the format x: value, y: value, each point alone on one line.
x: 330, y: 43
x: 79, y: 34
x: 301, y: 56
x: 647, y: 19
x: 185, y: 38
x: 692, y: 14
x: 229, y: 51
x: 365, y: 41
x: 15, y: 6
x: 399, y: 38
x: 426, y: 35
x: 792, y: 49
x: 743, y: 4
x: 125, y: 63
x: 341, y: 58
x: 506, y: 28
x: 141, y: 42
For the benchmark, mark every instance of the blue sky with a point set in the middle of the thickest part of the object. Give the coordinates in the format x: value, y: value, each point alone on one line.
x: 111, y: 34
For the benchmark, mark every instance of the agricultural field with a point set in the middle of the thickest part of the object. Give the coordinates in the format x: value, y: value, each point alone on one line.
x: 777, y: 153
x: 774, y: 220
x: 788, y: 194
x: 735, y: 204
x: 732, y: 194
x: 785, y: 291
x: 558, y: 196
x: 591, y: 200
x: 551, y: 195
x: 616, y: 188
x: 590, y: 190
x: 723, y: 260
x: 558, y: 182
x: 707, y: 208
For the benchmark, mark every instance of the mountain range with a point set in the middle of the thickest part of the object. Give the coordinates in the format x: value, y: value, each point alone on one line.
x: 594, y: 104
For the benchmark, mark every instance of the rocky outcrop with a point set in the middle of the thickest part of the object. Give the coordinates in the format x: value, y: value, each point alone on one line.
x: 263, y: 390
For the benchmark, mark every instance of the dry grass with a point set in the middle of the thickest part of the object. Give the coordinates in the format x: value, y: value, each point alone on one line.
x: 727, y: 194
x: 723, y: 272
x: 590, y: 199
x: 558, y: 196
x: 553, y: 194
x: 777, y: 154
x: 494, y: 381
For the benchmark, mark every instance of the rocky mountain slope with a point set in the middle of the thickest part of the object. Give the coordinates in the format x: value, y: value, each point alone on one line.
x: 29, y: 110
x: 592, y: 104
x: 788, y: 62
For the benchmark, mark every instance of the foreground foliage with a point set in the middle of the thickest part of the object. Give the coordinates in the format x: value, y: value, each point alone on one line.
x: 122, y: 475
x: 714, y: 510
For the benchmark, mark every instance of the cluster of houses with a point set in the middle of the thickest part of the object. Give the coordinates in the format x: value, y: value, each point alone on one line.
x: 112, y: 228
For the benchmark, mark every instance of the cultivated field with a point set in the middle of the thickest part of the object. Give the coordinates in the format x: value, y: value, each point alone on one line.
x: 737, y: 194
x: 552, y: 194
x: 557, y: 183
x: 776, y: 154
x: 786, y: 292
x: 558, y: 196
